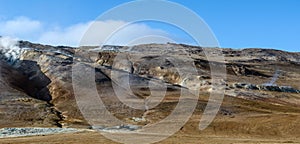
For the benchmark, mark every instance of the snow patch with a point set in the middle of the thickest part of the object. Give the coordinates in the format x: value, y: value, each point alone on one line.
x: 18, y: 132
x: 117, y: 129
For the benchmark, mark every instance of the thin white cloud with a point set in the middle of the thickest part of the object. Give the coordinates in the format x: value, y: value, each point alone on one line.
x: 63, y: 36
x: 36, y: 31
x: 132, y: 32
x: 117, y: 33
x: 20, y: 27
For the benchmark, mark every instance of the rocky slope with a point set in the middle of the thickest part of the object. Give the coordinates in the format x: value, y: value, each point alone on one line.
x: 36, y: 83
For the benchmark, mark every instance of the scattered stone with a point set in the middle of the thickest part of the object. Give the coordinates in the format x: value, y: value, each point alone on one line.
x: 136, y: 119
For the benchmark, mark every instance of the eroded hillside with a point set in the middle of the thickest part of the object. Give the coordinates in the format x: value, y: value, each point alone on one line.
x: 262, y: 96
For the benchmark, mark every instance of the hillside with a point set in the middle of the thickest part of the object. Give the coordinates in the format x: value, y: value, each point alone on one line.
x: 261, y: 89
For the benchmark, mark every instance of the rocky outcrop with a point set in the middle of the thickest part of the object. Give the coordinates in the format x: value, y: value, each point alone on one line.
x: 276, y: 88
x: 263, y: 55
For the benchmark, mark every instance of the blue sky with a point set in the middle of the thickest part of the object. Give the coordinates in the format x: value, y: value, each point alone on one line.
x: 236, y: 23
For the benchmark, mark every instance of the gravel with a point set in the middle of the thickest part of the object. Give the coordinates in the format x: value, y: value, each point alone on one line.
x: 18, y: 132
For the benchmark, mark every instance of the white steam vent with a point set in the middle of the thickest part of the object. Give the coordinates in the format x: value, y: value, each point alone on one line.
x: 9, y: 49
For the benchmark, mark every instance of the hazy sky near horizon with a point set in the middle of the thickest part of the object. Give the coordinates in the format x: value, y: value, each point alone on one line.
x: 235, y: 23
